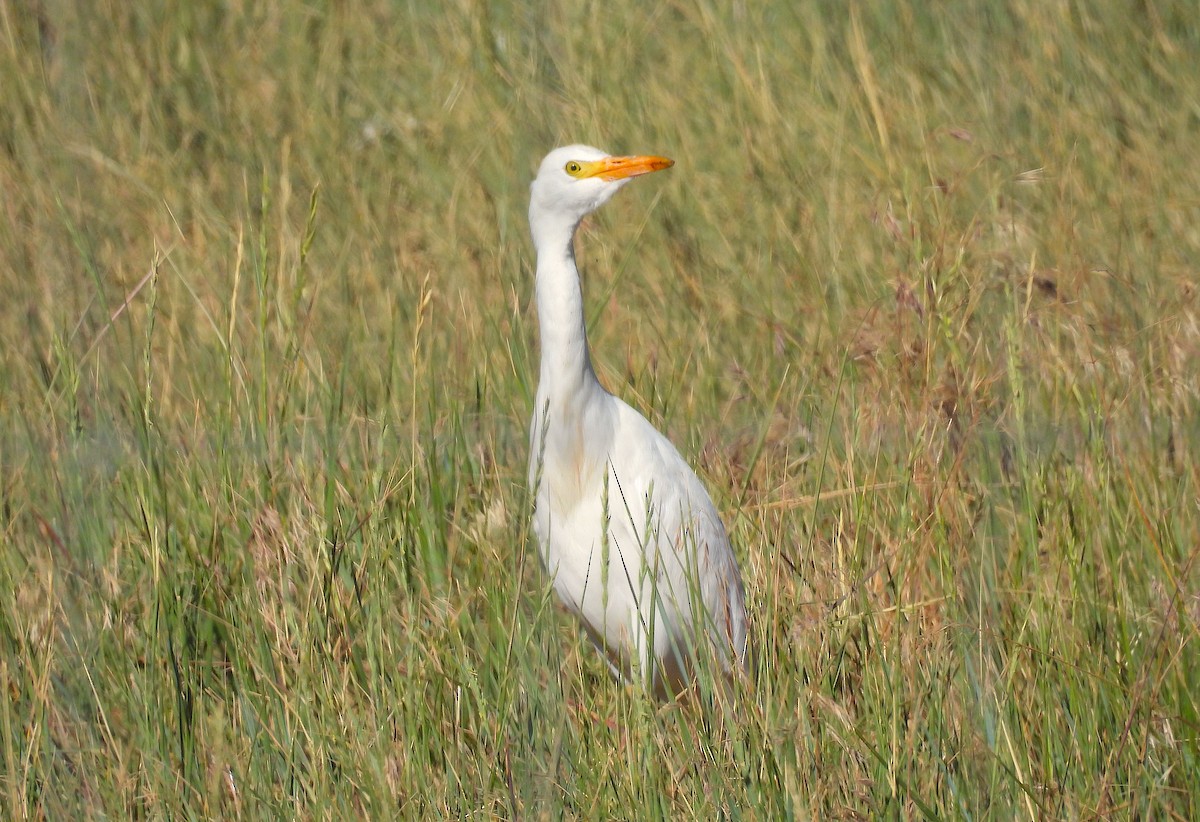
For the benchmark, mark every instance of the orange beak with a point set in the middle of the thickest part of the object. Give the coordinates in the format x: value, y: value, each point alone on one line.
x: 620, y: 168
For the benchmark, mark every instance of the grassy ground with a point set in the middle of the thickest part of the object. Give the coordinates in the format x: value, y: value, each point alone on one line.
x: 919, y: 301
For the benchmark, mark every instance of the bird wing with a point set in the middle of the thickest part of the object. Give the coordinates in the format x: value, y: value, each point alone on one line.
x: 658, y: 504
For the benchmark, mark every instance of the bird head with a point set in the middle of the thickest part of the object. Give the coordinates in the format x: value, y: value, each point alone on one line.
x: 576, y: 180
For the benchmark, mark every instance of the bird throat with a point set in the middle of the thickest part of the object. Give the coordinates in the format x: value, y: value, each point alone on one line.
x: 566, y: 366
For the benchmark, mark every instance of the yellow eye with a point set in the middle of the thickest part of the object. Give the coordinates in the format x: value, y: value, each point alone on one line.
x: 574, y: 169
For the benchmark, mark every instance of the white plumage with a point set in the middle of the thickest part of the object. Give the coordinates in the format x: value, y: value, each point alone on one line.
x: 627, y: 532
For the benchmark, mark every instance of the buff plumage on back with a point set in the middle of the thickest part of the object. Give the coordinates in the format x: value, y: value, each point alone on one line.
x: 628, y: 534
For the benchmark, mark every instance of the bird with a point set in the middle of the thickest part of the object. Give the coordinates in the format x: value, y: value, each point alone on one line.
x: 626, y: 531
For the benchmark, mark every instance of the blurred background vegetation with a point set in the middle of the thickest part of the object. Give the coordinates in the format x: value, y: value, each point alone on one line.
x: 919, y: 301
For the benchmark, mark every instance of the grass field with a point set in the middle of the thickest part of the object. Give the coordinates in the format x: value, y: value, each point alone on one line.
x: 919, y: 301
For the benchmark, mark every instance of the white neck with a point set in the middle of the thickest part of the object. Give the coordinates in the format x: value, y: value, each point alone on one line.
x: 566, y: 366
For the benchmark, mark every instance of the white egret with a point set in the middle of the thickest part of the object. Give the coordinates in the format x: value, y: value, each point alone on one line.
x: 628, y: 534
